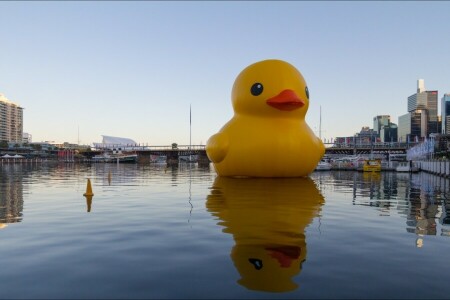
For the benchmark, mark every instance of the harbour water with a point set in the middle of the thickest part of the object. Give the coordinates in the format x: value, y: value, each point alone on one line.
x: 182, y: 232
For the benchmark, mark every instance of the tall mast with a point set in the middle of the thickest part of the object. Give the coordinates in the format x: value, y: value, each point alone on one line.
x: 320, y: 123
x: 190, y: 132
x: 190, y: 125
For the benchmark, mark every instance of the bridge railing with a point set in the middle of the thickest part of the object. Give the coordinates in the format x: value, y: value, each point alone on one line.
x: 372, y: 145
x: 139, y: 147
x: 179, y: 147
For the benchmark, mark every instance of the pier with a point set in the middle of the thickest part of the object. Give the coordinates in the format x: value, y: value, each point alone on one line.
x: 436, y: 167
x: 144, y: 152
x: 367, y: 148
x: 172, y: 153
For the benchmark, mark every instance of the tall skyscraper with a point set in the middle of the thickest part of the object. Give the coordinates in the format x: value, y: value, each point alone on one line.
x: 380, y: 121
x: 422, y: 119
x: 420, y: 86
x: 11, y: 121
x: 389, y: 133
x: 445, y: 114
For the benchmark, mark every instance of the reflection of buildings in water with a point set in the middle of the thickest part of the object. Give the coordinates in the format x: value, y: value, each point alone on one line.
x: 369, y: 188
x: 421, y: 197
x: 267, y: 218
x: 429, y: 205
x: 11, y: 196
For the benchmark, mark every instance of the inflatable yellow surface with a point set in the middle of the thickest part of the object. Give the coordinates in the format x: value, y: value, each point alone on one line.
x: 268, y: 135
x: 267, y: 218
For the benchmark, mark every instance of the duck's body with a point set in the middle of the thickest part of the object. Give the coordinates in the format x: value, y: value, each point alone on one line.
x: 259, y: 150
x: 268, y: 135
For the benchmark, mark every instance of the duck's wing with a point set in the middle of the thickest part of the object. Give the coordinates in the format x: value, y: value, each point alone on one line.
x: 321, y: 147
x: 217, y: 147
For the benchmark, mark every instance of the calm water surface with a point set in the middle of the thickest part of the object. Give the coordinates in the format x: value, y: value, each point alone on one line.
x: 182, y: 232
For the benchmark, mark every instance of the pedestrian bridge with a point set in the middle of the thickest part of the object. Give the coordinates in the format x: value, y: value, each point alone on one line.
x: 374, y: 148
x: 173, y: 153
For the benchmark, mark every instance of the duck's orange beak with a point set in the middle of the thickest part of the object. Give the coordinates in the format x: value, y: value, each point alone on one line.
x: 286, y: 100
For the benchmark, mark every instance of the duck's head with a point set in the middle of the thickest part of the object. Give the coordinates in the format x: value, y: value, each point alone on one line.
x: 270, y: 88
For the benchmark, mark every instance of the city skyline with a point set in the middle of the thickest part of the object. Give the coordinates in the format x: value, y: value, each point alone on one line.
x: 382, y: 120
x: 85, y: 69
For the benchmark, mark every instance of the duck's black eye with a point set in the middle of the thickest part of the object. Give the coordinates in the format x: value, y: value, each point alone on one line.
x: 256, y: 89
x: 307, y: 92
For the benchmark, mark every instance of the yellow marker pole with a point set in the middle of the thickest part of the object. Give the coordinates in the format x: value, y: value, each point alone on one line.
x: 88, y: 189
x: 88, y: 195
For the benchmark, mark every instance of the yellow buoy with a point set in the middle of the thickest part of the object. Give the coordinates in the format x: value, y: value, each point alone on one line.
x: 88, y: 189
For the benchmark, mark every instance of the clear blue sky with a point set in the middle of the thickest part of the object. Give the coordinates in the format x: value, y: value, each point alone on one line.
x: 132, y: 69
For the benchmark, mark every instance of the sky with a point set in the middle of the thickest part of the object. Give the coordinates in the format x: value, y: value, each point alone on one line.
x: 135, y: 69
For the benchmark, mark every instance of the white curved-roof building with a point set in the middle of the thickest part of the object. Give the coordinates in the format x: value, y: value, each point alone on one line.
x: 111, y: 142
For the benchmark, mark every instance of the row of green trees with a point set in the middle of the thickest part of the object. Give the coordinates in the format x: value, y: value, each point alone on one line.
x: 4, y: 145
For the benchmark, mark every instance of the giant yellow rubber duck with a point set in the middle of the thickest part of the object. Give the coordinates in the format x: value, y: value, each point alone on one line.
x: 268, y: 135
x: 267, y: 218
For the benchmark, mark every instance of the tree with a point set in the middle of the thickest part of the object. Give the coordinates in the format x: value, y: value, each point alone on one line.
x: 36, y: 147
x: 4, y: 144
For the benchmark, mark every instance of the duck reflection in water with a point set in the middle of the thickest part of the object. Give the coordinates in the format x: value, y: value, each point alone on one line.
x: 267, y: 218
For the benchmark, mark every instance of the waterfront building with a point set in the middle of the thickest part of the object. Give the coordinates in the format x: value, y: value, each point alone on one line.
x: 388, y: 133
x: 380, y: 121
x: 116, y: 144
x: 44, y: 146
x: 366, y: 136
x: 445, y: 114
x: 421, y: 119
x: 11, y: 121
x: 411, y: 125
x: 27, y: 138
x: 385, y: 130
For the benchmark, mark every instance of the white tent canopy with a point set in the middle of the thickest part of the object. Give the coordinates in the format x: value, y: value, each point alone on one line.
x: 10, y: 156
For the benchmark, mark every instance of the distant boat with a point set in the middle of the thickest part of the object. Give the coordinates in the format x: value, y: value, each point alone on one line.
x: 125, y: 158
x: 372, y: 165
x: 347, y: 162
x: 406, y: 166
x: 188, y: 158
x: 323, y: 166
x: 114, y: 158
x: 158, y: 159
